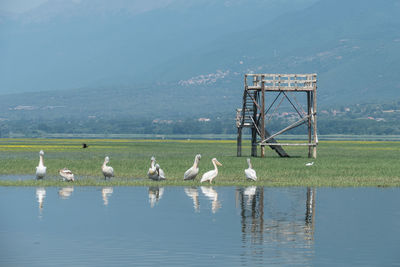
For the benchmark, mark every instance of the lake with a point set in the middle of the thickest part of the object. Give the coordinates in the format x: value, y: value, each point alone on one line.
x: 199, y: 226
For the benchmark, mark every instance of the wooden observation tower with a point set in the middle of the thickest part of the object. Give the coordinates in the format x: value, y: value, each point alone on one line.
x: 254, y: 111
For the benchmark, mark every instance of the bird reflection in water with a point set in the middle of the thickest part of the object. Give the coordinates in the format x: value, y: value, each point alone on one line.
x: 106, y: 192
x: 40, y: 195
x: 65, y: 192
x: 193, y: 193
x: 155, y: 194
x: 250, y: 192
x: 211, y: 194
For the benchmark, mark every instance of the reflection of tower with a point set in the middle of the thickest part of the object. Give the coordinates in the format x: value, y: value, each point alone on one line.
x: 212, y: 195
x: 252, y: 212
x: 40, y: 195
x: 310, y: 212
x: 194, y: 195
x: 65, y: 192
x: 155, y: 194
x: 280, y: 224
x: 106, y: 192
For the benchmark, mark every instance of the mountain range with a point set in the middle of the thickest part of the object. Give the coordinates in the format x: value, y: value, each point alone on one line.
x: 176, y: 58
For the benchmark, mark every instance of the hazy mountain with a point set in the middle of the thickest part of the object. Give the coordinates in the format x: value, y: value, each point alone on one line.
x: 179, y: 58
x: 354, y: 46
x: 70, y: 44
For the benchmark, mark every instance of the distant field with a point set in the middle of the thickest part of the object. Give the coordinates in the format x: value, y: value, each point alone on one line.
x: 326, y: 137
x: 339, y: 163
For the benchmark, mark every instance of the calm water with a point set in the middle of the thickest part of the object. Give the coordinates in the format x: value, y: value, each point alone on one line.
x: 219, y: 226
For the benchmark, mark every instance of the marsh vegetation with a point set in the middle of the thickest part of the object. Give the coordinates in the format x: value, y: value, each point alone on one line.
x: 339, y: 163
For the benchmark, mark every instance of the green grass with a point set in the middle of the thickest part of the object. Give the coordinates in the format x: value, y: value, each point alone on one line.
x: 339, y: 163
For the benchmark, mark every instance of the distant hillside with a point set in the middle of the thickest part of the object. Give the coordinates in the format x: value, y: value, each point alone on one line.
x: 354, y: 46
x: 174, y: 59
x: 68, y: 44
x: 165, y: 101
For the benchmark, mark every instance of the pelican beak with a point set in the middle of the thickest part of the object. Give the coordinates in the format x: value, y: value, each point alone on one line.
x: 218, y: 163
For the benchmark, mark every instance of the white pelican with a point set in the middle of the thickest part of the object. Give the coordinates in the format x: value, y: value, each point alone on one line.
x: 152, y: 173
x: 310, y: 163
x: 194, y: 195
x: 106, y: 192
x: 160, y: 173
x: 210, y: 175
x: 250, y: 172
x: 41, y: 169
x: 65, y: 192
x: 212, y: 195
x: 108, y: 171
x: 67, y: 175
x: 194, y: 170
x: 155, y: 194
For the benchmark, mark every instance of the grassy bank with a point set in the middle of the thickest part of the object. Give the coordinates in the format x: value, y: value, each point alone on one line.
x: 339, y: 163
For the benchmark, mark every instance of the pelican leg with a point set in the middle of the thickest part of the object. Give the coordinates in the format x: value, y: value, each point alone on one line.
x: 210, y: 181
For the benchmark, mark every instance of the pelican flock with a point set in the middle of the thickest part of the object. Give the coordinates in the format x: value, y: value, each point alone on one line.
x: 191, y: 173
x: 108, y: 171
x: 210, y: 175
x: 154, y: 173
x: 41, y: 169
x: 250, y: 172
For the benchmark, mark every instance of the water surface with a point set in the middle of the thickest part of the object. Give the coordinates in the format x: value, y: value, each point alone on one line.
x: 198, y: 226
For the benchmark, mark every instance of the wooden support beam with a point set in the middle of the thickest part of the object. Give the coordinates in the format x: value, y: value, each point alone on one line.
x: 239, y: 142
x: 293, y: 125
x: 281, y: 88
x: 309, y: 122
x: 314, y: 119
x: 254, y: 118
x: 262, y: 115
x: 288, y: 144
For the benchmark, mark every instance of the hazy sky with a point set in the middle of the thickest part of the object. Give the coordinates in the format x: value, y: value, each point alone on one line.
x: 19, y: 6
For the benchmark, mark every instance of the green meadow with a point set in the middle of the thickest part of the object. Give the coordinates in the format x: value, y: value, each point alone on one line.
x: 339, y: 163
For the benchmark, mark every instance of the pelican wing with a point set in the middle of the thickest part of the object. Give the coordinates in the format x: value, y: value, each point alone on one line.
x: 66, y: 174
x: 208, y: 176
x: 108, y: 171
x: 161, y: 174
x: 250, y: 174
x: 191, y: 174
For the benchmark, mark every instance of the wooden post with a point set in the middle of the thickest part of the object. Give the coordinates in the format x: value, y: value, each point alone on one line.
x: 262, y: 114
x: 314, y: 95
x: 309, y: 123
x: 239, y: 142
x: 253, y: 129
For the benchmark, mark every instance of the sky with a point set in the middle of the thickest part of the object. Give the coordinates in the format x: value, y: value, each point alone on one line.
x: 19, y: 6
